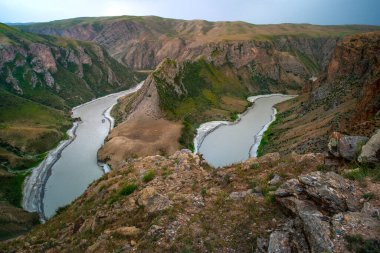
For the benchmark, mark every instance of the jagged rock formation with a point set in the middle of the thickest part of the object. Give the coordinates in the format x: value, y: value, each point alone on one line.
x: 323, y: 204
x: 31, y: 65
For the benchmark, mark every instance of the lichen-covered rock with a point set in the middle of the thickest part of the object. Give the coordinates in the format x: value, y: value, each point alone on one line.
x: 153, y: 201
x: 240, y: 195
x: 275, y: 180
x: 331, y: 190
x: 371, y: 150
x: 279, y: 241
x: 347, y: 147
x: 289, y: 188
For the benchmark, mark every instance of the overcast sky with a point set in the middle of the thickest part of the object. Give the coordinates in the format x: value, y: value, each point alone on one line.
x: 253, y: 11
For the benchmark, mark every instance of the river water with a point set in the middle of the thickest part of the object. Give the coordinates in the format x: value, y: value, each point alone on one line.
x: 224, y: 143
x: 54, y: 186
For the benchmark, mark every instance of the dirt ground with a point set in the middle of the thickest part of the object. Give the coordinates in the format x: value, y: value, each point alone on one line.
x: 144, y: 133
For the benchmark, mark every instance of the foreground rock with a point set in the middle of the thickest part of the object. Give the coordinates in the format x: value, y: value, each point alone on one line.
x: 347, y: 147
x: 328, y: 208
x: 371, y: 150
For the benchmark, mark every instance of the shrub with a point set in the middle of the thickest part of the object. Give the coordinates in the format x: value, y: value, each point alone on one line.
x: 203, y: 191
x: 148, y: 176
x: 128, y: 189
x: 369, y: 195
x: 357, y: 244
x: 254, y: 166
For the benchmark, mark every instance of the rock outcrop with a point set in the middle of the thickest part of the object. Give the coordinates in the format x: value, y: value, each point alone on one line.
x: 347, y: 147
x: 328, y: 208
x: 371, y: 150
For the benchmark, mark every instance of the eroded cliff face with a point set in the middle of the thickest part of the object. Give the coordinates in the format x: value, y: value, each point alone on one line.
x: 345, y: 98
x: 70, y: 72
x: 143, y: 42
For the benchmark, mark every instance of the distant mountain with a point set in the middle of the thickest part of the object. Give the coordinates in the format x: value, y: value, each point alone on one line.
x: 209, y: 63
x: 143, y: 42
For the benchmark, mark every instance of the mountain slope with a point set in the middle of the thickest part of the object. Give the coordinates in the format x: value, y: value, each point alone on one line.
x: 39, y: 73
x: 345, y: 98
x: 41, y: 78
x: 143, y: 42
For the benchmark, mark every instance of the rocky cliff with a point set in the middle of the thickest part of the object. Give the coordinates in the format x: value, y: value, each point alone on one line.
x: 345, y: 98
x: 143, y: 42
x: 67, y: 72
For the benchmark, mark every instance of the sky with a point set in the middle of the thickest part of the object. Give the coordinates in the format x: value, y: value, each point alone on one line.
x: 324, y: 12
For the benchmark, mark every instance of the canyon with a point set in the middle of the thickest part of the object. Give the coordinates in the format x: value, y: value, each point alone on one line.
x: 157, y: 198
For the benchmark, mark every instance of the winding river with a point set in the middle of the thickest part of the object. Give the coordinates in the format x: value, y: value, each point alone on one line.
x: 72, y: 166
x: 223, y: 143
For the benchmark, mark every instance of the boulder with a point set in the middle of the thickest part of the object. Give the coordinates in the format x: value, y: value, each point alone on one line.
x: 275, y: 180
x: 261, y: 245
x: 347, y: 147
x: 240, y: 195
x: 292, y: 187
x: 316, y: 227
x: 371, y: 150
x: 287, y: 238
x: 153, y: 201
x: 331, y: 190
x: 279, y: 241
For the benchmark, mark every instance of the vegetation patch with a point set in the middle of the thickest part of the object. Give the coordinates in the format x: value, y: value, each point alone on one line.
x: 199, y: 89
x: 128, y: 189
x: 149, y: 176
x: 358, y: 244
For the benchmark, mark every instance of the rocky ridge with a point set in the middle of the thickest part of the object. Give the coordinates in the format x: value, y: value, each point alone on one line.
x: 294, y: 203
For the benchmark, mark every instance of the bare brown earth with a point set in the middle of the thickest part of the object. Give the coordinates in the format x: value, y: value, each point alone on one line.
x: 144, y: 131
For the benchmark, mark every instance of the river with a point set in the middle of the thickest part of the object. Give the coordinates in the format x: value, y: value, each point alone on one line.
x: 223, y: 143
x: 67, y: 170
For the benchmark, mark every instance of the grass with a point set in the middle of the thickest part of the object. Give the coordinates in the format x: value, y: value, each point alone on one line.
x: 265, y: 140
x: 201, y: 87
x: 11, y: 188
x: 359, y: 172
x: 128, y: 189
x: 149, y: 176
x: 357, y: 244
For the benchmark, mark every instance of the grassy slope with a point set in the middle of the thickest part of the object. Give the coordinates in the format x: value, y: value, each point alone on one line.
x: 34, y: 122
x: 207, y: 94
x: 27, y: 130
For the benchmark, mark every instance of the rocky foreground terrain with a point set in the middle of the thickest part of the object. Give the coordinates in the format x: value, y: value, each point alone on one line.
x: 295, y: 203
